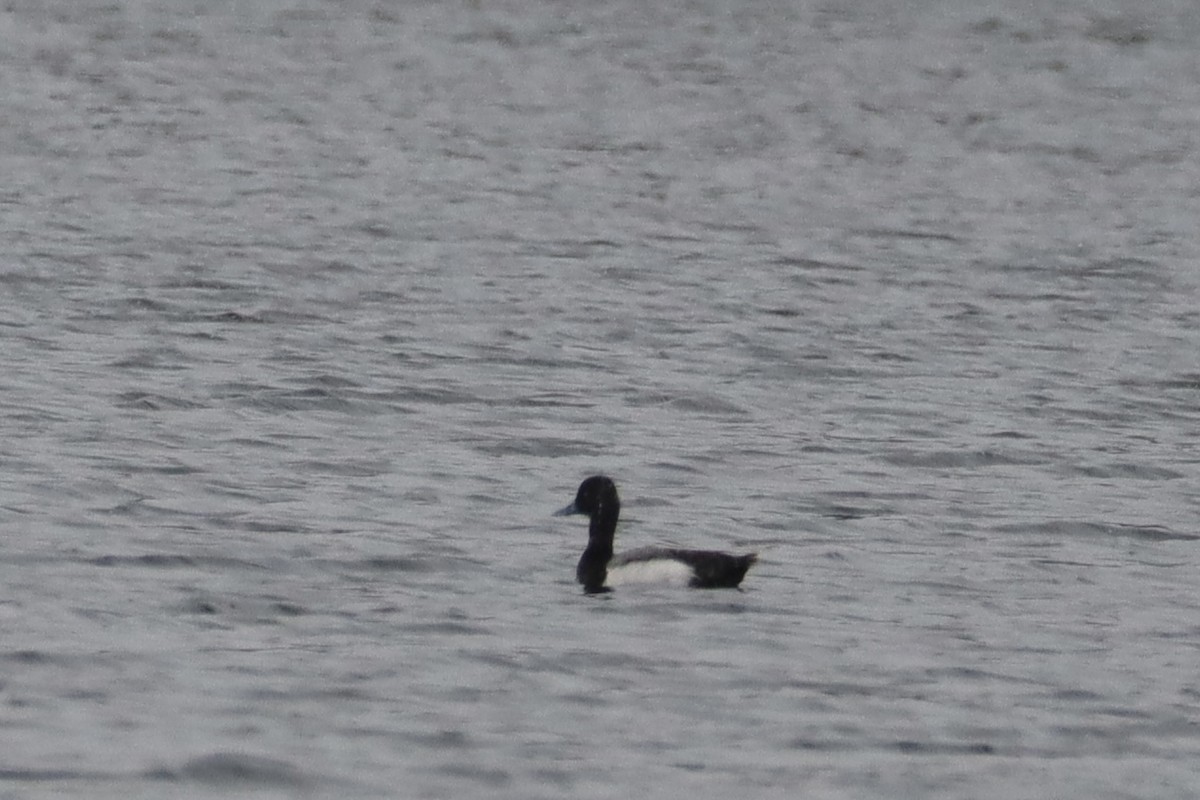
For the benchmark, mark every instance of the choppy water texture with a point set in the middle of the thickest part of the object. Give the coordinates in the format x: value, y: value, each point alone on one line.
x: 313, y: 311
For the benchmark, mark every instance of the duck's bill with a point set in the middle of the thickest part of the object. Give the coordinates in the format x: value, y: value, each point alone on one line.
x: 566, y: 511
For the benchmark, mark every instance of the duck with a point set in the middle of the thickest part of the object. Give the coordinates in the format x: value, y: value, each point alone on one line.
x: 599, y: 569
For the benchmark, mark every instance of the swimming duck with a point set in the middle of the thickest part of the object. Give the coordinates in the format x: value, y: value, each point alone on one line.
x: 599, y: 570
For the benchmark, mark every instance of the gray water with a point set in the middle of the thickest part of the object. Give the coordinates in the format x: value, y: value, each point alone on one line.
x: 312, y: 312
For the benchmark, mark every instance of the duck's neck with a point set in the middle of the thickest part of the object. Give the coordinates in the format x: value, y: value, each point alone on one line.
x: 593, y: 566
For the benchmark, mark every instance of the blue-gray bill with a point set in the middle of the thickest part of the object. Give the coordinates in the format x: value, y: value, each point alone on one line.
x: 566, y: 511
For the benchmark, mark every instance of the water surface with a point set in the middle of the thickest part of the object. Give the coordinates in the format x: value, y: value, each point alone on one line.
x: 313, y: 312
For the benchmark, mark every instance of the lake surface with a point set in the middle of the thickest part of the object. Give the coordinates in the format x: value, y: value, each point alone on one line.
x: 312, y: 312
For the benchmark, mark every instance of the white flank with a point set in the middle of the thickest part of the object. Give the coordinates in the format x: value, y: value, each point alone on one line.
x: 664, y: 571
